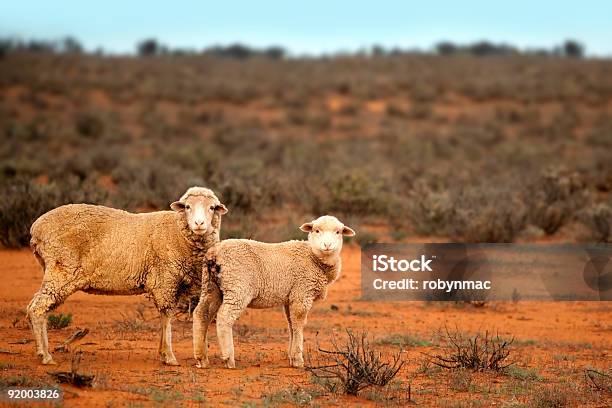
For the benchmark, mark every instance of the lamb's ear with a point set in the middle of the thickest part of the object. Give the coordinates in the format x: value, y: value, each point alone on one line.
x: 306, y: 227
x: 177, y: 206
x: 221, y: 209
x: 348, y: 231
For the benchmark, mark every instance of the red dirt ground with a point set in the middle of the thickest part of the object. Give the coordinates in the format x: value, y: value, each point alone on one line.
x: 554, y: 340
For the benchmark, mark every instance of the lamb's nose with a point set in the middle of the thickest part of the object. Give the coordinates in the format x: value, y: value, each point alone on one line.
x: 327, y: 245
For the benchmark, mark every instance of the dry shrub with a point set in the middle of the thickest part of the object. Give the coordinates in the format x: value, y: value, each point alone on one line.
x: 354, y: 365
x: 554, y: 198
x: 355, y: 193
x: 552, y: 397
x: 24, y: 201
x: 134, y: 322
x: 598, y: 218
x: 482, y: 351
x: 478, y: 214
x: 21, y: 204
x: 488, y: 215
x: 430, y: 210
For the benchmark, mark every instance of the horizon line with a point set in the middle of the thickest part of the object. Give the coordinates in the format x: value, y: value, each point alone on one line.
x: 290, y: 52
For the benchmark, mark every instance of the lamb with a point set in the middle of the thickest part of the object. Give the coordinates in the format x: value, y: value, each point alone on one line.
x: 103, y: 250
x: 244, y: 273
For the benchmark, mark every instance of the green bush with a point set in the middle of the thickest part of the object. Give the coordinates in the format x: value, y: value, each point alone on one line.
x: 59, y: 321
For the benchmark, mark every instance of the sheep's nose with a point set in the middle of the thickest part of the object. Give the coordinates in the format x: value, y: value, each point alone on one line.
x: 199, y: 222
x: 327, y: 245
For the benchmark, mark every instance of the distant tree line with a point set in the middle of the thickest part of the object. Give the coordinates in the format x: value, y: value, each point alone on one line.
x: 67, y: 45
x: 569, y: 48
x: 151, y: 47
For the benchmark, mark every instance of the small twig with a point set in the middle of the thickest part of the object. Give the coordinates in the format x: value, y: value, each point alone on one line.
x: 77, y: 335
x: 600, y: 381
x: 22, y: 341
x: 73, y: 376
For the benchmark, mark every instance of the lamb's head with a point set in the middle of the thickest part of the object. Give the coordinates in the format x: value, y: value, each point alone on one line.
x: 325, y: 235
x: 199, y: 205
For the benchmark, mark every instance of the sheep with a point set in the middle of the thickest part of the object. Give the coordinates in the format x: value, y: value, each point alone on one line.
x: 244, y: 273
x: 103, y: 250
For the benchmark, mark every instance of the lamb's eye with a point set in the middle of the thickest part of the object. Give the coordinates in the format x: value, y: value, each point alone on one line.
x: 337, y: 232
x: 317, y: 231
x: 212, y: 208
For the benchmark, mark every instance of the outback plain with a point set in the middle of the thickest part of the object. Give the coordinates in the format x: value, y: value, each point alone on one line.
x: 403, y: 148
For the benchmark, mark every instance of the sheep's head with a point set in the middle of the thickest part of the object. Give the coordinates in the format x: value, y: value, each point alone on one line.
x: 199, y: 205
x: 325, y: 235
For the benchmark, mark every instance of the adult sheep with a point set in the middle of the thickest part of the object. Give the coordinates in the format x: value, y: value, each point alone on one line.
x: 103, y: 250
x: 243, y: 273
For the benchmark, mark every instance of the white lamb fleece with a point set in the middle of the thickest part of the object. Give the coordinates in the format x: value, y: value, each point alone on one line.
x: 103, y: 250
x: 244, y: 273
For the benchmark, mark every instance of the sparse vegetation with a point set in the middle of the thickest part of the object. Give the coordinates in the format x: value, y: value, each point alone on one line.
x: 248, y: 137
x: 353, y: 366
x: 58, y: 321
x: 599, y: 380
x: 403, y: 340
x: 552, y: 397
x: 406, y: 147
x: 481, y: 351
x: 294, y: 396
x: 528, y: 374
x: 134, y: 322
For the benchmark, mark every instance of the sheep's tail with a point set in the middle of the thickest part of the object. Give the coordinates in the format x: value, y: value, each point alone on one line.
x: 35, y: 250
x: 35, y: 245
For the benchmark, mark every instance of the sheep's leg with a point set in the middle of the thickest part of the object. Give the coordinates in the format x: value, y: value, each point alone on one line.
x: 228, y: 313
x: 288, y: 316
x: 166, y: 354
x: 52, y: 293
x: 298, y: 312
x: 202, y: 316
x: 37, y: 314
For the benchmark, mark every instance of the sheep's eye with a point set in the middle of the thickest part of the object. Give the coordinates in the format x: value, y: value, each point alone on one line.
x: 337, y: 232
x: 317, y: 231
x: 212, y: 207
x: 187, y: 207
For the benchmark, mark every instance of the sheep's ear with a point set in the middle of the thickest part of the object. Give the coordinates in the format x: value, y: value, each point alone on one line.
x: 177, y: 206
x: 348, y: 231
x: 306, y: 227
x: 221, y: 209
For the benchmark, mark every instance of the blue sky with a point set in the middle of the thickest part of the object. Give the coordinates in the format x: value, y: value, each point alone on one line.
x: 313, y: 26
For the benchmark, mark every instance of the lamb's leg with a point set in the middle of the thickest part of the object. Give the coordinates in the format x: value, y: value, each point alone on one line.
x: 207, y: 308
x: 166, y: 354
x: 52, y: 293
x: 228, y: 313
x: 288, y: 316
x: 298, y: 312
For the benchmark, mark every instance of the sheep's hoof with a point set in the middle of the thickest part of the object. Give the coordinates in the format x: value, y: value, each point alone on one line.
x: 202, y: 363
x: 297, y: 362
x: 48, y: 360
x: 169, y: 360
x: 230, y: 363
